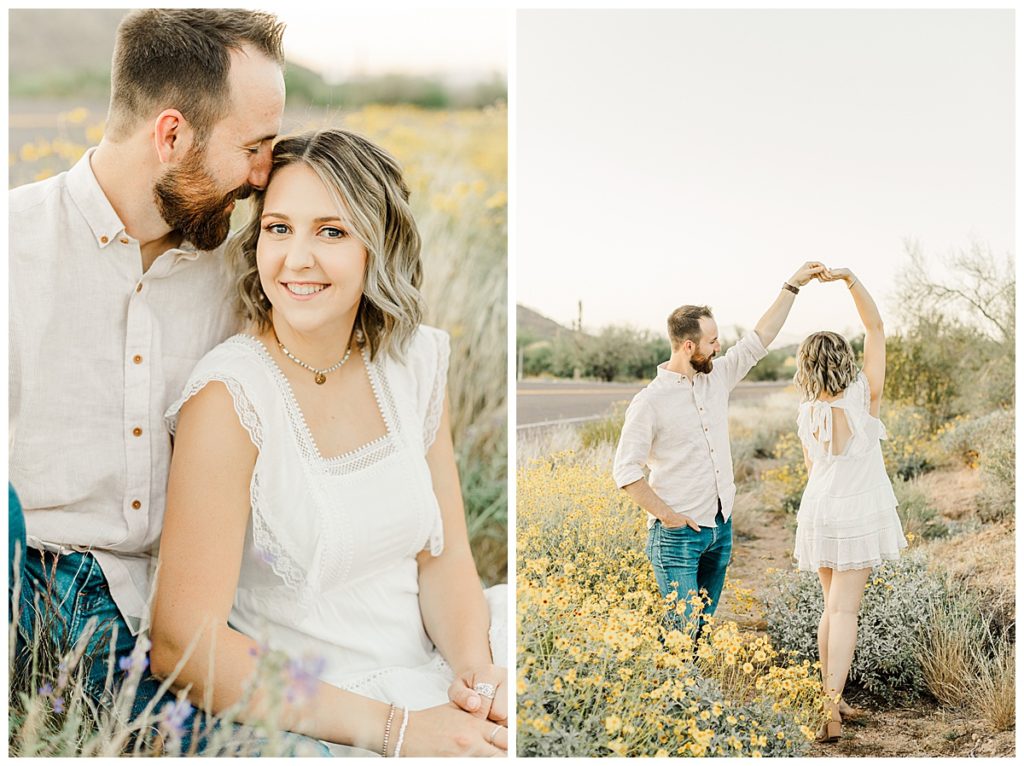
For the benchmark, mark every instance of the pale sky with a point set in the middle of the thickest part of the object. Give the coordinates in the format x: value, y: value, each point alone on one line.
x: 342, y: 41
x: 670, y: 157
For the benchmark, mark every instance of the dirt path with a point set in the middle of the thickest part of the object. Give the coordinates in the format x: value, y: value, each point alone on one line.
x: 764, y: 540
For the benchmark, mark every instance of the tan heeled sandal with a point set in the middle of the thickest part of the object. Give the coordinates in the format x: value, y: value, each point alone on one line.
x: 830, y: 731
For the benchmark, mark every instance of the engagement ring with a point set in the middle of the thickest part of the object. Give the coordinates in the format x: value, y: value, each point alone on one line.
x: 485, y: 690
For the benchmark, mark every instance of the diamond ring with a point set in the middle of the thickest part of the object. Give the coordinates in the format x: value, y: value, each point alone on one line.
x: 485, y: 690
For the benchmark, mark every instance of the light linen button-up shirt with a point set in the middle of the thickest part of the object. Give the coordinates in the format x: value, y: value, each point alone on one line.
x: 680, y: 430
x: 98, y: 351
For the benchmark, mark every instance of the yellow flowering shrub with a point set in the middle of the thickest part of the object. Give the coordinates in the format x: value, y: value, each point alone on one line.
x: 599, y: 672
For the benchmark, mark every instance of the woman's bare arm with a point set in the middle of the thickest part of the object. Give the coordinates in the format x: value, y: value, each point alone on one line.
x: 455, y: 613
x: 200, y: 555
x: 874, y: 334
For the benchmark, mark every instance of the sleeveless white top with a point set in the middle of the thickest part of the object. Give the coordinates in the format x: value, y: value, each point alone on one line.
x: 329, y: 570
x: 847, y: 518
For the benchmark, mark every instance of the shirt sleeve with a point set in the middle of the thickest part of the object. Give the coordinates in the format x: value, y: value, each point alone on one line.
x: 634, y: 443
x: 739, y: 359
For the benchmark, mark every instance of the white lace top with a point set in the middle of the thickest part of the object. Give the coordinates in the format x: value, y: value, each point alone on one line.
x: 329, y: 564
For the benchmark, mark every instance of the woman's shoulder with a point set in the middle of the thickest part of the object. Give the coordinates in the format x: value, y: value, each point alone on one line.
x: 241, y: 363
x: 240, y: 355
x: 428, y: 347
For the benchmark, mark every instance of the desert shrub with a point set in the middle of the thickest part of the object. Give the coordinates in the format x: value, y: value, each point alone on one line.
x: 921, y: 367
x: 605, y: 430
x: 968, y: 659
x: 782, y: 486
x: 754, y: 430
x: 996, y: 699
x: 780, y: 364
x: 998, y: 463
x: 911, y: 447
x: 918, y: 516
x: 894, y: 615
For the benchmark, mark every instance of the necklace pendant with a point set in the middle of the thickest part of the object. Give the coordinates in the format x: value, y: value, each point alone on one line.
x: 320, y: 378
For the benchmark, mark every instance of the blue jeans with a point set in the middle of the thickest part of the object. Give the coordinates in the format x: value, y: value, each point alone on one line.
x: 59, y: 594
x: 685, y: 561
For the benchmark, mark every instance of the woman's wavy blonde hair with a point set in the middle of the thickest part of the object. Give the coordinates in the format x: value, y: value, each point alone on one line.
x: 367, y: 182
x: 825, y: 365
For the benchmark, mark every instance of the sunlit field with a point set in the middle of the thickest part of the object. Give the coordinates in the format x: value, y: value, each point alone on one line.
x: 455, y: 163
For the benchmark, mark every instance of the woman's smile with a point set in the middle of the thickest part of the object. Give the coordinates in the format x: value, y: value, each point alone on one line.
x: 304, y: 291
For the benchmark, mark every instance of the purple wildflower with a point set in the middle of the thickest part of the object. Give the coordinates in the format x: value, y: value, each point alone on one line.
x: 126, y: 663
x: 46, y: 689
x: 175, y: 715
x: 304, y: 675
x: 58, y: 705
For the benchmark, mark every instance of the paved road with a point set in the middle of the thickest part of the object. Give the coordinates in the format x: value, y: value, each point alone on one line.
x: 546, y: 401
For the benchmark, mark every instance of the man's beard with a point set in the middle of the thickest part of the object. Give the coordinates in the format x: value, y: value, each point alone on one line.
x: 191, y: 204
x: 701, y: 363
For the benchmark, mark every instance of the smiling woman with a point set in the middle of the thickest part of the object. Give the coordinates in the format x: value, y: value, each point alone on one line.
x: 314, y: 504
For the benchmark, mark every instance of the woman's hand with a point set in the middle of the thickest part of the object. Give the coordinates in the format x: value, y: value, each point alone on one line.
x: 835, y: 275
x: 464, y: 694
x: 806, y: 273
x: 447, y: 730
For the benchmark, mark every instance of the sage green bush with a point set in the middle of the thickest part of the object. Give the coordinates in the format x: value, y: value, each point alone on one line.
x: 895, y: 614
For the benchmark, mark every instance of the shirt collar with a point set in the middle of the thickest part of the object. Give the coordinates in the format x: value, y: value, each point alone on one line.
x: 666, y: 375
x: 99, y: 214
x: 92, y: 202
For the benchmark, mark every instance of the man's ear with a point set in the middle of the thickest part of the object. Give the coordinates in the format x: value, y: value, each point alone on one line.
x: 172, y: 135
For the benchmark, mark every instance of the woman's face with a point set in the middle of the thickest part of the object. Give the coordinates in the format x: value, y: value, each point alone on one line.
x: 310, y: 263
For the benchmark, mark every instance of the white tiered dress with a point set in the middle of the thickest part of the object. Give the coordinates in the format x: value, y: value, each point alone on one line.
x: 329, y: 570
x: 847, y: 518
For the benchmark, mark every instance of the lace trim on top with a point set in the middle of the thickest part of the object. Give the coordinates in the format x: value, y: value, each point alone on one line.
x: 435, y: 406
x: 270, y: 549
x: 243, y: 407
x: 356, y: 459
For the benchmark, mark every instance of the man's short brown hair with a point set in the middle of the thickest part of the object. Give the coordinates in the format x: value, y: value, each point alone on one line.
x: 684, y: 324
x: 180, y: 58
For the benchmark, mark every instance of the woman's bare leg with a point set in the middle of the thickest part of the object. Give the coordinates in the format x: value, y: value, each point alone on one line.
x: 845, y: 593
x: 825, y: 575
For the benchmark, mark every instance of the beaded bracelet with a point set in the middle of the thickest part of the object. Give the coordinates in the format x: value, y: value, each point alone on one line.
x: 387, y: 732
x: 401, y: 732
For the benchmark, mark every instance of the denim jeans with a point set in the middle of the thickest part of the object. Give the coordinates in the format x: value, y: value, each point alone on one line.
x: 685, y: 561
x: 59, y: 594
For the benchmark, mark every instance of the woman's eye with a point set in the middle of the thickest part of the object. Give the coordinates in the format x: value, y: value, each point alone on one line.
x: 332, y: 232
x: 276, y: 228
x: 253, y: 149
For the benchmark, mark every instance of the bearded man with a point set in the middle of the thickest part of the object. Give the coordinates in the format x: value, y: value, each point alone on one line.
x: 118, y: 287
x: 678, y: 426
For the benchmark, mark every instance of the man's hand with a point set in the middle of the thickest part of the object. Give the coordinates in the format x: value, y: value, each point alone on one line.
x: 806, y: 273
x: 677, y: 520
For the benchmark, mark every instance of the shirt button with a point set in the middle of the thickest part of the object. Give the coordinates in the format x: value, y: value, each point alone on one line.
x: 137, y: 359
x: 136, y: 504
x: 104, y: 239
x: 138, y: 287
x: 705, y: 428
x: 136, y: 431
x: 124, y: 241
